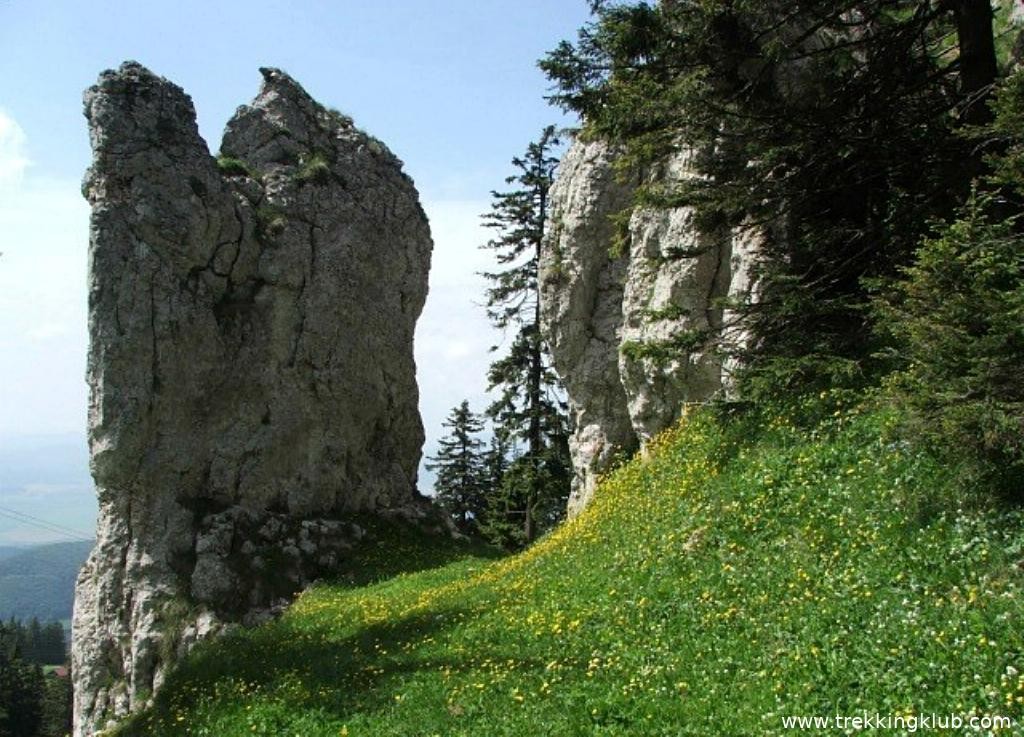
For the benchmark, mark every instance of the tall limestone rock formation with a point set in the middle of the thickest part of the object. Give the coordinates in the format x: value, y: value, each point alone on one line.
x: 601, y: 307
x: 251, y: 367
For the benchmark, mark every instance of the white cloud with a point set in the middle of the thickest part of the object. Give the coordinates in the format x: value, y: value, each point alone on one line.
x: 459, y: 349
x: 13, y: 151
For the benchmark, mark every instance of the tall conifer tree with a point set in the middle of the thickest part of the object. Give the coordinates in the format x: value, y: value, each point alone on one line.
x: 528, y: 407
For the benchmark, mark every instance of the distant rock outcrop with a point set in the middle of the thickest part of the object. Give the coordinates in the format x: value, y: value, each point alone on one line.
x: 251, y: 366
x: 600, y: 307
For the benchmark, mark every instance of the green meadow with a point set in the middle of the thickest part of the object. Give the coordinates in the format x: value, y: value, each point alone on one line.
x: 744, y: 569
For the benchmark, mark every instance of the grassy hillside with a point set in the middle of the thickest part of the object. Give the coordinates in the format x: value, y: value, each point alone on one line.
x: 742, y: 572
x: 40, y: 581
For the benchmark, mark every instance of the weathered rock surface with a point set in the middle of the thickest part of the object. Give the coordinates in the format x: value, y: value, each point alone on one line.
x: 600, y: 309
x: 251, y: 367
x: 582, y: 307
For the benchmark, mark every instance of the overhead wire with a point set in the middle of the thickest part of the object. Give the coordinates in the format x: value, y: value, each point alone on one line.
x: 42, y: 524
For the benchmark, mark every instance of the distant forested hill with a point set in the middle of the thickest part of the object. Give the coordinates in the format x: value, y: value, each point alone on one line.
x: 6, y: 551
x: 40, y: 581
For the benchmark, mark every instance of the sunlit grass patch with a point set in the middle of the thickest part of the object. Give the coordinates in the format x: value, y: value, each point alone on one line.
x: 742, y: 570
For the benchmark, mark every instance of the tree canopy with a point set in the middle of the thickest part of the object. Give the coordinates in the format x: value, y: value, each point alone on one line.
x: 833, y: 128
x: 462, y: 481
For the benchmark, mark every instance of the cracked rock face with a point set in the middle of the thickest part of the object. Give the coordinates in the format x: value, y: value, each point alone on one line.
x: 250, y: 368
x: 598, y: 307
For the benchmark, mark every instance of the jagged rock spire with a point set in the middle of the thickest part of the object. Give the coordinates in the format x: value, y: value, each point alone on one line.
x: 250, y: 367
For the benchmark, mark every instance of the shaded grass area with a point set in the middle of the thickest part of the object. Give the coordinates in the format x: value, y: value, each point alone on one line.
x: 745, y: 570
x: 392, y: 549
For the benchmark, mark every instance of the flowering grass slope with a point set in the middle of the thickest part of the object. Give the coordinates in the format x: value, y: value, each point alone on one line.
x: 741, y: 571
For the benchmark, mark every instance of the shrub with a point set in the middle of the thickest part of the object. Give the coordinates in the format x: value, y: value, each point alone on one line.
x: 232, y: 167
x: 313, y: 168
x: 958, y: 321
x: 270, y: 220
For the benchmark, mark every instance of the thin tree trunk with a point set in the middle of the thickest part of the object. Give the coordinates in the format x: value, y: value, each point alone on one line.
x: 531, y: 504
x: 534, y: 387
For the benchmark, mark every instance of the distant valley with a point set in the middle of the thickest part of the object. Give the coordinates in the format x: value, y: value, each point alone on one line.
x: 46, y: 492
x: 47, y: 510
x: 6, y: 551
x: 39, y: 581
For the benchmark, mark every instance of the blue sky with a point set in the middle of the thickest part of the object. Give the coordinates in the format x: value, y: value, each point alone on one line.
x: 450, y: 85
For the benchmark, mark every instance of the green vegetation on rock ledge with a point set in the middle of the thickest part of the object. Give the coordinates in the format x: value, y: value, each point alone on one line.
x: 313, y: 168
x: 747, y: 568
x: 232, y: 167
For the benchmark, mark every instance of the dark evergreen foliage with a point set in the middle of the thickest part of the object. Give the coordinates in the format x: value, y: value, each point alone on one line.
x: 832, y: 127
x: 529, y: 406
x: 496, y: 461
x: 957, y: 320
x: 31, y: 703
x: 462, y: 475
x: 851, y: 135
x: 57, y: 701
x: 41, y: 644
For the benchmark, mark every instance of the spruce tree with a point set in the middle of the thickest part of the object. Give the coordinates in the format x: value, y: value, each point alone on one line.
x: 57, y: 707
x: 34, y: 651
x: 52, y: 647
x: 496, y: 461
x: 528, y: 407
x: 459, y: 463
x: 22, y: 686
